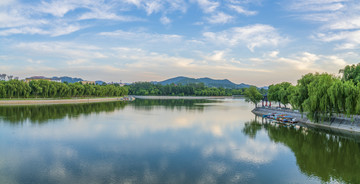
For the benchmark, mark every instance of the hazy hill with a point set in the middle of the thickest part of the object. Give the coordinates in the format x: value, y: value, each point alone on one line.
x: 225, y: 83
x: 67, y: 79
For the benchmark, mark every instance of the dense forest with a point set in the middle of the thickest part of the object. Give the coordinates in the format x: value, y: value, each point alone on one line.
x: 322, y: 95
x: 192, y: 89
x: 50, y: 89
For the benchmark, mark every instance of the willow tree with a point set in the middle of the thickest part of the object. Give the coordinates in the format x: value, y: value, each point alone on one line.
x: 253, y: 95
x: 352, y: 95
x: 274, y: 93
x: 318, y: 105
x: 2, y: 89
x: 337, y: 96
x: 300, y: 92
x: 285, y: 90
x: 351, y: 72
x: 358, y: 101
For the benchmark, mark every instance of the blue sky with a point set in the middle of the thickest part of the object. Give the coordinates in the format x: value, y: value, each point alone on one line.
x: 258, y: 42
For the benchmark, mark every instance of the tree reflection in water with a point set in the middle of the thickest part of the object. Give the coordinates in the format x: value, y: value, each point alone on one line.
x: 193, y: 104
x: 321, y: 154
x: 44, y: 113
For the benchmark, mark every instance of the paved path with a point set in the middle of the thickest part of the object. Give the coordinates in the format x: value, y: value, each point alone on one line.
x: 341, y: 123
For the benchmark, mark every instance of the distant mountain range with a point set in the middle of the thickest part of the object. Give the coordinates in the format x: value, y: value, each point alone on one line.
x: 67, y: 79
x: 225, y: 83
x: 73, y: 80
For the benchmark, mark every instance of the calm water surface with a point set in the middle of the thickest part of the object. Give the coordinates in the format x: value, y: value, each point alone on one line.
x: 166, y: 141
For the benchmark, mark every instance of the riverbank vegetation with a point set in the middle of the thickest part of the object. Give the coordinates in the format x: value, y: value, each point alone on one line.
x: 192, y: 89
x: 253, y: 95
x: 50, y: 89
x: 322, y: 95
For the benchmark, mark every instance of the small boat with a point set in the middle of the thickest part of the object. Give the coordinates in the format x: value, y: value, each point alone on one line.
x: 281, y: 118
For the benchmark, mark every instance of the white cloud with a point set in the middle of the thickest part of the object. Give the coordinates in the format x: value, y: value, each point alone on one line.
x: 252, y: 36
x: 347, y: 39
x: 165, y: 20
x: 219, y: 18
x: 55, y: 31
x: 345, y: 24
x: 6, y: 2
x: 135, y: 2
x: 77, y: 62
x: 150, y: 60
x: 109, y: 16
x: 317, y: 5
x: 64, y: 30
x: 208, y: 6
x: 307, y: 62
x: 274, y: 54
x: 339, y: 20
x: 155, y: 6
x: 217, y: 56
x: 51, y: 17
x: 14, y: 18
x: 241, y: 10
x: 23, y: 30
x: 56, y: 8
x: 60, y: 50
x: 143, y: 36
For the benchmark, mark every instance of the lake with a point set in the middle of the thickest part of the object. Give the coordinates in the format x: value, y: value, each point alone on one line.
x: 166, y: 141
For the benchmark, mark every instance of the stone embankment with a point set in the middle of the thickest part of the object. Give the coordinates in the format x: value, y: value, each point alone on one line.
x: 337, y: 123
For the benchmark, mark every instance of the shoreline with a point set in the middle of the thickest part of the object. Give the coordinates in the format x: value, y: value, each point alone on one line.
x: 60, y: 101
x: 180, y: 97
x: 337, y: 124
x: 45, y: 101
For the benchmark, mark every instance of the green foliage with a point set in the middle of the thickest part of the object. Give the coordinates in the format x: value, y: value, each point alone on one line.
x: 253, y: 95
x: 49, y: 89
x: 300, y: 93
x: 281, y: 93
x: 352, y: 94
x: 351, y: 72
x: 273, y: 94
x: 321, y: 95
x: 337, y: 96
x: 318, y: 105
x: 192, y: 89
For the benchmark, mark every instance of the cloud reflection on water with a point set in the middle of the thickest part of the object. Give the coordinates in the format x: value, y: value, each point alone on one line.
x: 136, y: 145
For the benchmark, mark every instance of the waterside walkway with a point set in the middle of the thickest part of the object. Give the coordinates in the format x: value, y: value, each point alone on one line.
x: 336, y: 123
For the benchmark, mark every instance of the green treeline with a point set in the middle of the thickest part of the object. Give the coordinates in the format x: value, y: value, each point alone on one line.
x: 194, y: 89
x: 322, y: 95
x: 50, y: 89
